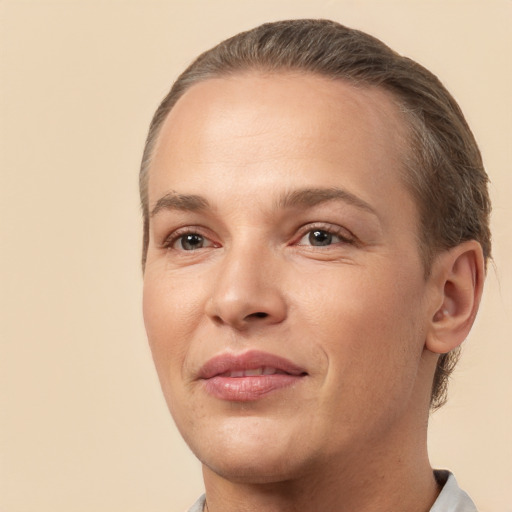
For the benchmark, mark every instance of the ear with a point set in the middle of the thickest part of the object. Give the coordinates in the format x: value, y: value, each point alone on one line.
x: 458, y: 277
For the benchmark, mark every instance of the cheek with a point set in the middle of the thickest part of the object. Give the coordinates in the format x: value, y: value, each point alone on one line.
x: 167, y: 319
x: 367, y: 323
x: 174, y: 316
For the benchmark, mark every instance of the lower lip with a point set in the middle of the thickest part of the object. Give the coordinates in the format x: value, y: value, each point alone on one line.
x: 247, y: 389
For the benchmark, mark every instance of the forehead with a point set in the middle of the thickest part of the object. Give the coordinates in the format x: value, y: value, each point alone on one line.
x: 255, y: 122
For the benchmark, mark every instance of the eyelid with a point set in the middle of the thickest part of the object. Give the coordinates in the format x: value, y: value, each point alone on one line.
x: 346, y: 236
x: 169, y: 241
x: 343, y: 233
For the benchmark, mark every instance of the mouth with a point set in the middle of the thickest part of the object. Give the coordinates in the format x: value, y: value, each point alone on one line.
x: 254, y: 372
x: 248, y: 376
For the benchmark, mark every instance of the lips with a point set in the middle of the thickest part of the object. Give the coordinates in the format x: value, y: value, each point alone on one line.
x: 248, y: 376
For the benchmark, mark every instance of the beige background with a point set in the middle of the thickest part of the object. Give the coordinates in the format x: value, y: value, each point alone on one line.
x: 82, y: 424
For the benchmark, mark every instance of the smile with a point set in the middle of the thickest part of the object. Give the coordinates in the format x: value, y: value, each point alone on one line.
x: 249, y: 376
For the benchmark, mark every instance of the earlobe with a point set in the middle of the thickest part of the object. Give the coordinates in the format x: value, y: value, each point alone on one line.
x: 458, y: 275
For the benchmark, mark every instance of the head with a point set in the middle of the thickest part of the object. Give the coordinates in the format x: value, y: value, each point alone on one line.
x: 442, y: 167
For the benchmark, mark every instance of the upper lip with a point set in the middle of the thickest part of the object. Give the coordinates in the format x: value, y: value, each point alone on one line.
x: 250, y: 360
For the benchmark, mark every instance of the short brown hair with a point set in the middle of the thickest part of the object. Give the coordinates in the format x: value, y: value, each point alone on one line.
x: 444, y: 169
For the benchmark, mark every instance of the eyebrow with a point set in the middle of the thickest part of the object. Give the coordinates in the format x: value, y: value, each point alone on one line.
x: 184, y: 202
x: 302, y: 198
x: 308, y: 197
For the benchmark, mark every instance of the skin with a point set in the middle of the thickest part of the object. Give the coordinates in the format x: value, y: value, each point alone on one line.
x: 357, y: 314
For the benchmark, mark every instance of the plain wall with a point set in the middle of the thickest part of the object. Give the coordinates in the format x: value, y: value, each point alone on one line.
x: 83, y: 426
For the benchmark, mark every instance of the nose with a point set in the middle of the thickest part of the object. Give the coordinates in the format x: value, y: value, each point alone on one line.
x: 247, y: 290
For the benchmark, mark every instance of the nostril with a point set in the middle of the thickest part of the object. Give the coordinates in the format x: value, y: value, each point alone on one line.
x: 259, y: 315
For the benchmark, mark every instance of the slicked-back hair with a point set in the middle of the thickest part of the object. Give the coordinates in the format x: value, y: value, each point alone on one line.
x: 442, y: 165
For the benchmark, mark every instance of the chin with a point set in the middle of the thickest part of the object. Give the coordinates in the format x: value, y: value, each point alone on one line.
x: 251, y: 472
x: 254, y: 451
x: 262, y: 468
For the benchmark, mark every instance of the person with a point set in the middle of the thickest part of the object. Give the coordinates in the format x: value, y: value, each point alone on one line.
x: 316, y: 232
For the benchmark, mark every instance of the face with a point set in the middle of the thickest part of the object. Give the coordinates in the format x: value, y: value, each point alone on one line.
x: 284, y: 295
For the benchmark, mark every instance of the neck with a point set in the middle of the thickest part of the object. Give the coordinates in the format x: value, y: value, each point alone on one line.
x: 391, y: 474
x: 406, y: 485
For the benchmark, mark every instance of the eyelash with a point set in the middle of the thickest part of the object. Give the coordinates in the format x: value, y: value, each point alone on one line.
x: 345, y: 236
x: 175, y: 236
x: 336, y: 231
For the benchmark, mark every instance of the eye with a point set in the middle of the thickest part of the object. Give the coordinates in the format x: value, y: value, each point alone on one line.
x: 319, y: 237
x: 322, y: 238
x: 191, y: 242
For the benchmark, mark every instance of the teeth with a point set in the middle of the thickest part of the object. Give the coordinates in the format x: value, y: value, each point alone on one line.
x: 253, y: 372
